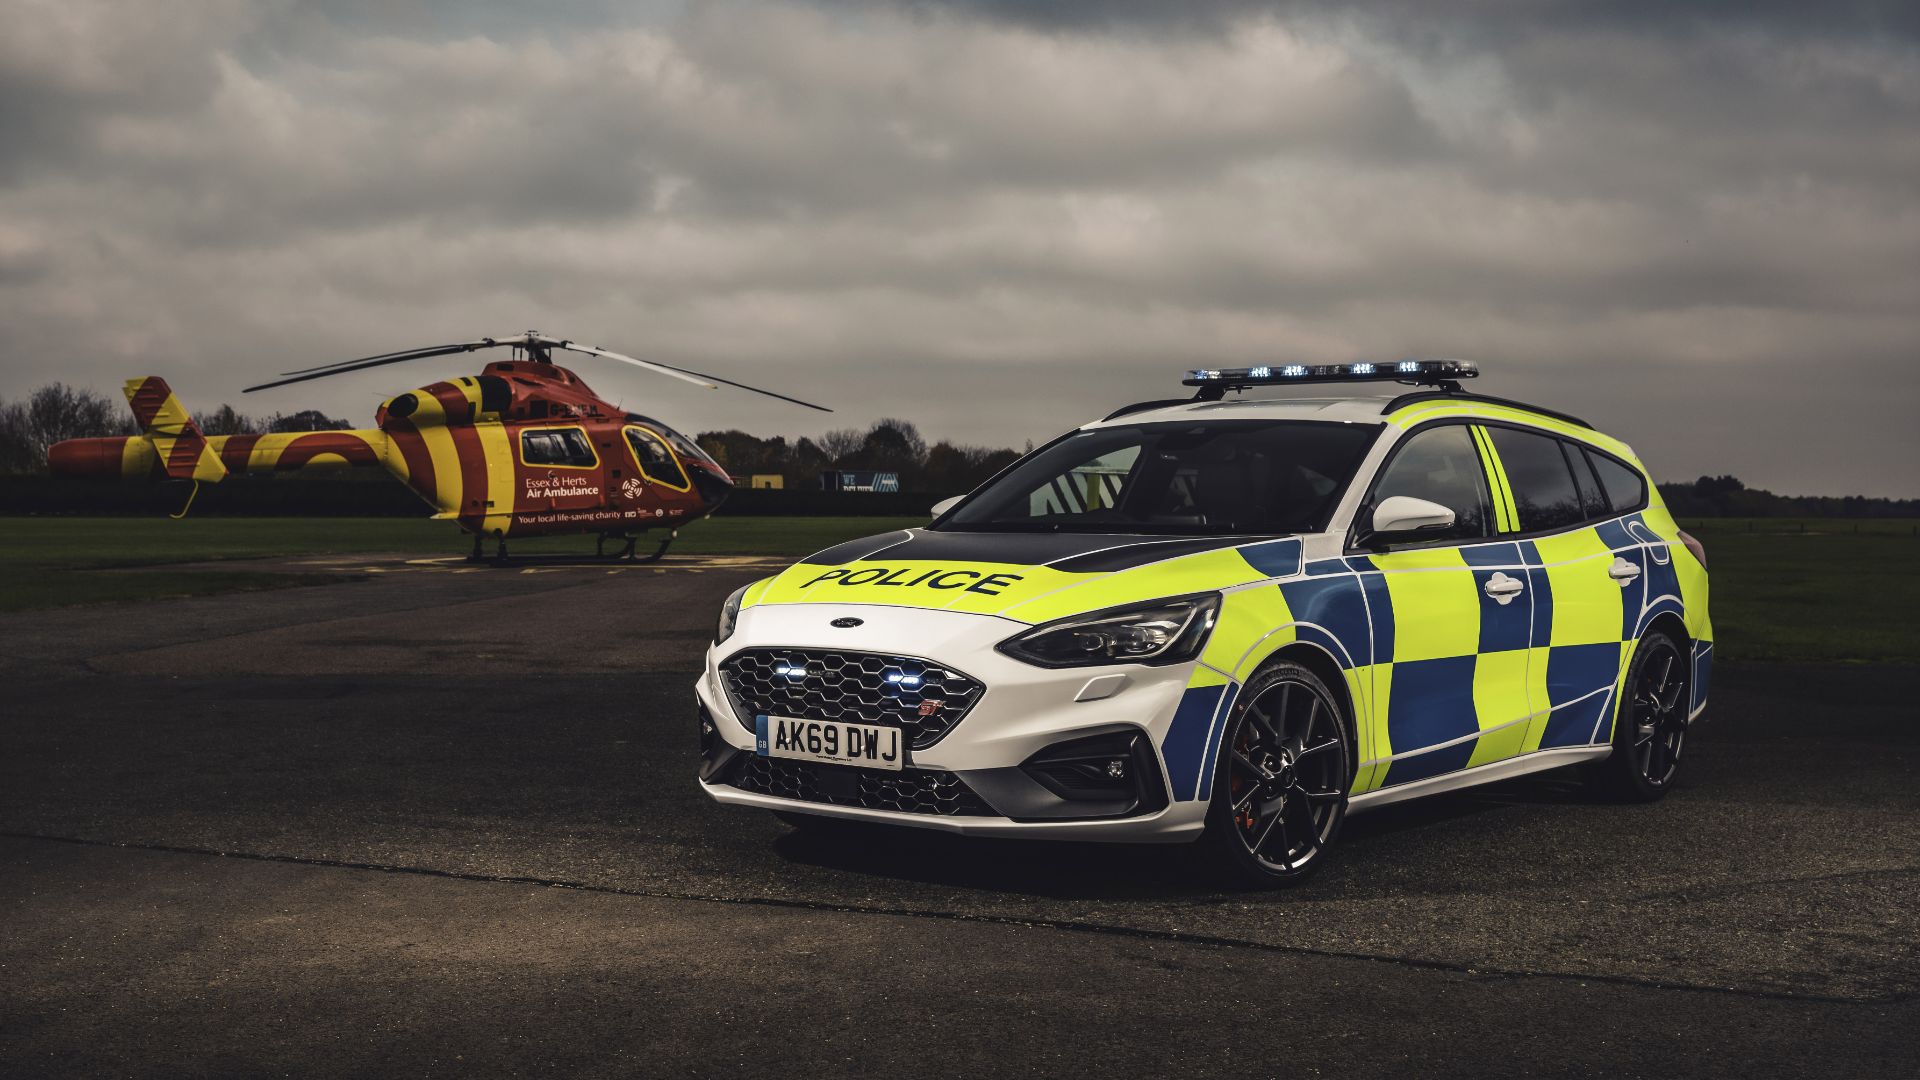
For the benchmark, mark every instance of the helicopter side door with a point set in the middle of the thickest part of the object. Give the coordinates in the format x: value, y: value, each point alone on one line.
x: 560, y: 469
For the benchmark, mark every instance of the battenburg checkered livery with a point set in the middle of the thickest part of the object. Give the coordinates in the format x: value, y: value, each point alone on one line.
x: 1233, y: 621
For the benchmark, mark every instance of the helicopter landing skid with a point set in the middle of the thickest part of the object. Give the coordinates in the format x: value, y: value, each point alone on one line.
x: 625, y: 554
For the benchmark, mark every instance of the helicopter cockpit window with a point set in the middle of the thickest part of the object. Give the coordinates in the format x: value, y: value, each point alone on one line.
x: 657, y: 463
x: 557, y: 446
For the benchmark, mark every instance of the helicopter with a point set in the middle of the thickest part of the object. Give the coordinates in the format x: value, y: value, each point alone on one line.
x: 525, y: 448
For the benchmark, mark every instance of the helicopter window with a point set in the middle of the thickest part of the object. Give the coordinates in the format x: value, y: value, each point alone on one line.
x: 557, y: 446
x: 657, y: 463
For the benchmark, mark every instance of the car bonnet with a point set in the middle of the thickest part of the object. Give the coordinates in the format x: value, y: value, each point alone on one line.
x: 1027, y: 577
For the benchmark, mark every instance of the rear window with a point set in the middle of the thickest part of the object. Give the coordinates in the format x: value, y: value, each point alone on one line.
x: 1626, y: 489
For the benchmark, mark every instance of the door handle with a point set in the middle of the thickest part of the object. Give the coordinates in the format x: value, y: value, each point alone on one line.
x: 1623, y: 571
x: 1503, y: 588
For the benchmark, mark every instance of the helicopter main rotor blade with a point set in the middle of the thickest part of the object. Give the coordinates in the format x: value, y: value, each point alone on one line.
x: 382, y: 360
x: 532, y: 341
x: 515, y: 340
x: 699, y: 377
x: 594, y: 350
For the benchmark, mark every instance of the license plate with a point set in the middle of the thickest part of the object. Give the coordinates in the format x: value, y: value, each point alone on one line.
x: 831, y: 741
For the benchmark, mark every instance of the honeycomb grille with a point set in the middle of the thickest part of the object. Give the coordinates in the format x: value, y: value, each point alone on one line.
x: 909, y: 791
x: 922, y: 698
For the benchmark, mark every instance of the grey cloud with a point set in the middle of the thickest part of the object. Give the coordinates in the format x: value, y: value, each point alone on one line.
x: 992, y: 224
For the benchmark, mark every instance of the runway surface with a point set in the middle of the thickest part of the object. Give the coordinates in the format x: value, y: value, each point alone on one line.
x: 430, y: 821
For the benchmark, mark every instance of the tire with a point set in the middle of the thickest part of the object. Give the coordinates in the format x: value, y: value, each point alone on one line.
x: 1280, y: 785
x: 1651, y: 728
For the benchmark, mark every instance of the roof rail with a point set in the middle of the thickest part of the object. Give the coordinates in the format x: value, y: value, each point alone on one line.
x: 1143, y: 406
x: 1461, y: 395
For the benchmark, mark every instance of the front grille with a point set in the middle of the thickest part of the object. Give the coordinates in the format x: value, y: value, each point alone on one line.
x: 922, y: 698
x: 909, y: 791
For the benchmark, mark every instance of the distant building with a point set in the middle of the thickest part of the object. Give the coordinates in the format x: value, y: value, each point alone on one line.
x: 764, y: 481
x: 859, y: 480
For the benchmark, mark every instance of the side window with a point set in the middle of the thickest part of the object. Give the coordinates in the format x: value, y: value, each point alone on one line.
x: 1626, y: 489
x: 1593, y: 505
x: 1440, y: 465
x: 1542, y: 483
x: 657, y: 463
x: 557, y: 446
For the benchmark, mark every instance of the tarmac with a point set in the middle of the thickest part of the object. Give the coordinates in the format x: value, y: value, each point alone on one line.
x: 434, y: 819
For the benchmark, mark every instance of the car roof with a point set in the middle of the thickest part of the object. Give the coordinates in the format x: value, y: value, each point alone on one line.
x: 1403, y: 411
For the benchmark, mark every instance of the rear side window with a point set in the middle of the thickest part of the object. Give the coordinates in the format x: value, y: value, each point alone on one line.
x: 557, y: 446
x: 1626, y: 489
x: 1441, y: 465
x: 1542, y: 483
x: 1592, y: 503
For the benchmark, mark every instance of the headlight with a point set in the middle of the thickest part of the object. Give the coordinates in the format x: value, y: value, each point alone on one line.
x: 1163, y: 632
x: 729, y: 615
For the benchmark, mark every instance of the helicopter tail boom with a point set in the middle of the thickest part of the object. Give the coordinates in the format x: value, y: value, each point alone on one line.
x: 172, y: 446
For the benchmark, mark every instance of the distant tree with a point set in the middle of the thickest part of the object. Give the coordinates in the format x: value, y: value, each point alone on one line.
x: 954, y: 470
x: 225, y: 420
x: 56, y: 412
x: 889, y: 447
x: 744, y: 455
x: 905, y: 432
x: 842, y: 445
x: 16, y: 447
x: 805, y: 462
x: 304, y: 420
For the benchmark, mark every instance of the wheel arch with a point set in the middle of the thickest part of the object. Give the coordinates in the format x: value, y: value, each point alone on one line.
x: 1317, y: 659
x: 1670, y: 623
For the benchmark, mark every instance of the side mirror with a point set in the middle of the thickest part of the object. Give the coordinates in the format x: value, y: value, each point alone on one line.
x: 945, y: 505
x: 1404, y: 514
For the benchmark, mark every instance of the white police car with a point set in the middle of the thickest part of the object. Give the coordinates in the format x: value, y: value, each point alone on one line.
x: 1235, y: 620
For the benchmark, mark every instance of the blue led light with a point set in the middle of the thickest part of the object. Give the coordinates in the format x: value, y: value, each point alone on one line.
x: 1361, y: 369
x: 1260, y: 372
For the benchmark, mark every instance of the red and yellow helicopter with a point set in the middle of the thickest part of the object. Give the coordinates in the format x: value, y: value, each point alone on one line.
x: 524, y: 448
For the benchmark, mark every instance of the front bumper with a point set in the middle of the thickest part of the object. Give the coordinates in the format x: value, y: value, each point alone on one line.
x: 1023, y: 711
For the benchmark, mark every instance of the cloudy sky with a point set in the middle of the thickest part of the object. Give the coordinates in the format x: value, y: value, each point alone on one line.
x: 1696, y: 224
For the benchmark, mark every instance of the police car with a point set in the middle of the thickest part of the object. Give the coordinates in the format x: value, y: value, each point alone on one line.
x: 1230, y: 620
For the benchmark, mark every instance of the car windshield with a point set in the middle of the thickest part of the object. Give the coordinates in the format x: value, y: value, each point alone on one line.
x: 1219, y: 477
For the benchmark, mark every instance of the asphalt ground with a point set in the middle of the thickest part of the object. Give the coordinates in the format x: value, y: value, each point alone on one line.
x: 438, y: 822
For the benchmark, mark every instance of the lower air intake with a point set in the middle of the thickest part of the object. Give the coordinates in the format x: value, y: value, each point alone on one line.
x: 909, y: 791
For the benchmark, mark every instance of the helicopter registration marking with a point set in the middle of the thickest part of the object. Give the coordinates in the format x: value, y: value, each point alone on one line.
x: 828, y: 741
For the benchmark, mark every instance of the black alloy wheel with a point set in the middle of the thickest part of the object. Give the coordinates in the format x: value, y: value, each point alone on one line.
x: 1652, y: 722
x: 1280, y: 788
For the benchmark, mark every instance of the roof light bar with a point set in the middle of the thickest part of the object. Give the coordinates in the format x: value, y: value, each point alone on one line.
x: 1419, y: 372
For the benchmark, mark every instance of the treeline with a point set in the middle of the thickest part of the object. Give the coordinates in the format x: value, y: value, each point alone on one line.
x: 889, y: 445
x: 1726, y: 496
x: 56, y: 412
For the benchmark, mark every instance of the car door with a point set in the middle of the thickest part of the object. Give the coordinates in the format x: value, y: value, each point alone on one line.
x: 1583, y: 606
x: 1453, y: 690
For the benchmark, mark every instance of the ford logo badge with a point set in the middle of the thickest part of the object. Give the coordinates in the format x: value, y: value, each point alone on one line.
x: 846, y: 622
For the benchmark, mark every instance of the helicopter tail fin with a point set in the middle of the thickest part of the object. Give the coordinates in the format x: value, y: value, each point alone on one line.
x: 176, y: 440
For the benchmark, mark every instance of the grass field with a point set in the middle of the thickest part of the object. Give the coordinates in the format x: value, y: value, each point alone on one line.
x: 59, y: 561
x: 1783, y: 589
x: 1814, y: 589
